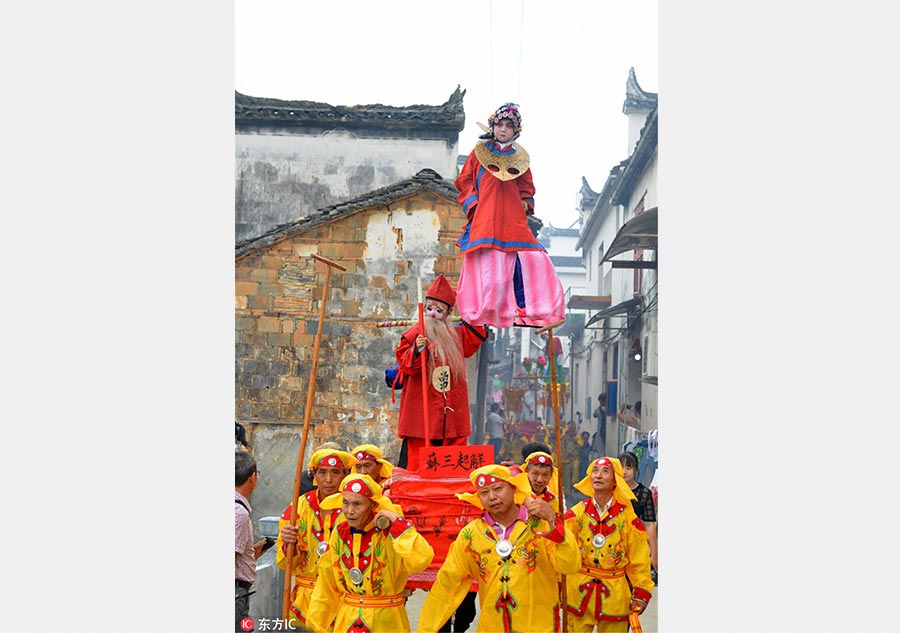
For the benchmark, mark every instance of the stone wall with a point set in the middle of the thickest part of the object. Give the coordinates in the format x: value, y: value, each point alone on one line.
x: 282, y: 174
x: 278, y: 292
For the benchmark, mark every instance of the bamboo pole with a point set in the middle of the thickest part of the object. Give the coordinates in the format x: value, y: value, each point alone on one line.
x: 289, y: 566
x: 562, y: 479
x: 408, y: 322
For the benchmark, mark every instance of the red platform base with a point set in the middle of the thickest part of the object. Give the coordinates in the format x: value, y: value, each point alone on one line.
x: 430, y: 503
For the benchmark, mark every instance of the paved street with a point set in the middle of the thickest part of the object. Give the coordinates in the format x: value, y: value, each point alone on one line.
x: 648, y: 621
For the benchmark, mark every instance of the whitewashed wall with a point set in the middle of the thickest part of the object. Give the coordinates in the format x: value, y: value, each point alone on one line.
x: 280, y: 177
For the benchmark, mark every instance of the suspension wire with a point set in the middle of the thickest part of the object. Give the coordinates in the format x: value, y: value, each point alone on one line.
x: 491, y: 39
x: 521, y: 46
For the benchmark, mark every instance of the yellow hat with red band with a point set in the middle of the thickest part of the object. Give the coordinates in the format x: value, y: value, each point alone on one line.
x: 621, y: 492
x: 361, y: 485
x: 330, y: 458
x: 538, y: 458
x: 371, y: 453
x: 491, y: 474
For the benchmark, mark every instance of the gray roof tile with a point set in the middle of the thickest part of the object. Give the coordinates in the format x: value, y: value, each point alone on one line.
x: 263, y: 110
x: 426, y: 179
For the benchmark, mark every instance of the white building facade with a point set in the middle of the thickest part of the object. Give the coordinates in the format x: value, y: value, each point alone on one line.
x: 616, y: 354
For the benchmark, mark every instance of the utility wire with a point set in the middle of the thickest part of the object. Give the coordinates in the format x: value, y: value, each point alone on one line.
x: 521, y: 46
x: 491, y: 39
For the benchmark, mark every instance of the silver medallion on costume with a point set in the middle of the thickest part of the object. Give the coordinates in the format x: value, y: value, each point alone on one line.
x: 321, y: 548
x: 503, y: 548
x: 599, y: 540
x: 356, y: 576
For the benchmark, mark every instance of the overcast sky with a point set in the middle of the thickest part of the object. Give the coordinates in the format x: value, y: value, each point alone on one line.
x: 564, y: 63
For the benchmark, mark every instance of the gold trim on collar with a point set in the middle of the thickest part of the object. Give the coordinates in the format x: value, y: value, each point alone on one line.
x: 507, y: 167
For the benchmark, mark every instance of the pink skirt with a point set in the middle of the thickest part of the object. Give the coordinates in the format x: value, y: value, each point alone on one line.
x: 486, y: 293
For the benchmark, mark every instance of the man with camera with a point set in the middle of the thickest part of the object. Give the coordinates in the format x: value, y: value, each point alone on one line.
x: 246, y: 551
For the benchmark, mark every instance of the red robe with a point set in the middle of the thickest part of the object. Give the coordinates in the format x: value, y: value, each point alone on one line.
x: 494, y: 208
x: 442, y: 422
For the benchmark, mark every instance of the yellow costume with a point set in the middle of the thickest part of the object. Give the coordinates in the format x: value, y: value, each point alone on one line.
x: 315, y: 526
x: 570, y: 442
x: 362, y: 576
x: 515, y: 593
x: 550, y: 495
x: 370, y: 452
x: 615, y: 558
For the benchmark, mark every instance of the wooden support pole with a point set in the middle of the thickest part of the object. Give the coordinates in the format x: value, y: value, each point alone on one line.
x: 424, y: 356
x: 408, y: 322
x: 298, y: 475
x: 481, y: 388
x: 562, y: 467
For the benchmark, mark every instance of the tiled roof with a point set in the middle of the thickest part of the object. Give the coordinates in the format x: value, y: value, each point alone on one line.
x: 591, y: 215
x: 535, y: 224
x: 556, y: 231
x: 588, y: 196
x: 637, y: 162
x: 447, y: 116
x: 635, y: 97
x: 426, y: 179
x: 567, y: 262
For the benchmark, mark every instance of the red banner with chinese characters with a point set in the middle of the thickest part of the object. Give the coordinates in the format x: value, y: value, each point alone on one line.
x: 431, y: 504
x: 453, y: 461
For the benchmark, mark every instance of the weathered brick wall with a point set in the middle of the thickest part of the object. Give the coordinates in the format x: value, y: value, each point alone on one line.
x: 278, y: 292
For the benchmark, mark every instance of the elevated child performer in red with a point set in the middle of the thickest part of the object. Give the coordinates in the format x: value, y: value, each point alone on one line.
x: 506, y: 277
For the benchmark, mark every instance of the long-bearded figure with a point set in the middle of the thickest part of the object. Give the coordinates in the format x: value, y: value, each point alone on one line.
x: 445, y: 348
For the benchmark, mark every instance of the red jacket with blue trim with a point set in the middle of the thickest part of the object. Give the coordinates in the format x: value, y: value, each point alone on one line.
x: 494, y: 207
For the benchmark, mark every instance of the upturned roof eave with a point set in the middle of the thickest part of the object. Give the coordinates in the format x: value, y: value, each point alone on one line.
x: 638, y: 160
x: 594, y: 215
x: 636, y: 98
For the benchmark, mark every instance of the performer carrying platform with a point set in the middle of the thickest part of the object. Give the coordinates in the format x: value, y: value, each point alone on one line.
x: 313, y: 528
x: 542, y: 476
x: 364, y: 571
x: 614, y: 584
x: 506, y: 278
x: 515, y: 551
x: 448, y: 396
x: 369, y: 461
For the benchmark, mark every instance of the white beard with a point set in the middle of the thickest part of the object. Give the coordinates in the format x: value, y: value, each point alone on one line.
x: 445, y: 347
